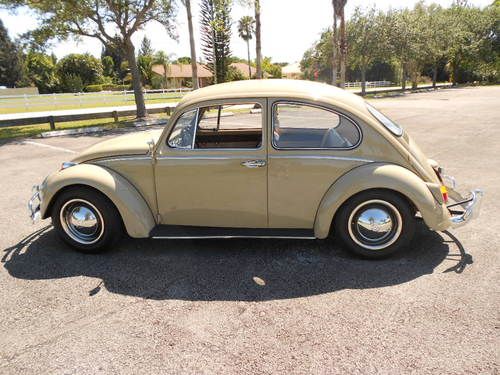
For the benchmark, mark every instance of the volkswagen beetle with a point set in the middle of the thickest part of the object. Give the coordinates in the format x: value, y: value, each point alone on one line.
x: 261, y: 158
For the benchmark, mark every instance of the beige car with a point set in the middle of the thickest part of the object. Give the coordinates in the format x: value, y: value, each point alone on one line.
x: 263, y: 158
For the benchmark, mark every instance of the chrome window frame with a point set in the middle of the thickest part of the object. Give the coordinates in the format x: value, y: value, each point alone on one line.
x: 167, y: 140
x: 375, y: 113
x: 197, y: 107
x: 319, y: 106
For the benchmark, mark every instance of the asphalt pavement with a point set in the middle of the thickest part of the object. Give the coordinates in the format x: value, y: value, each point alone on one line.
x: 260, y: 306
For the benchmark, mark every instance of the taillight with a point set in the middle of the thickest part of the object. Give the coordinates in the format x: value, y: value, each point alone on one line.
x: 444, y: 192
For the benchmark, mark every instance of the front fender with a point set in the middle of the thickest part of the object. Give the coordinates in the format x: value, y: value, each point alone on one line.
x: 135, y: 212
x: 381, y: 176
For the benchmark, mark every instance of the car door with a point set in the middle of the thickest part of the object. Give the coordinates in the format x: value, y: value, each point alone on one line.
x: 311, y: 146
x: 211, y: 168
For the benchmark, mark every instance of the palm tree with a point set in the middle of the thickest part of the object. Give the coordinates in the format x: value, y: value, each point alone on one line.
x: 163, y: 59
x: 246, y: 29
x: 338, y: 12
x: 258, y: 42
x: 194, y: 65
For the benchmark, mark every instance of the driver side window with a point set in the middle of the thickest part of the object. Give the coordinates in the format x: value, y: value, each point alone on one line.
x: 182, y: 134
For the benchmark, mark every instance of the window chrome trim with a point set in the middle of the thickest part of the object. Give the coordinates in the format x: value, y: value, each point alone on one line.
x: 262, y: 128
x: 167, y: 139
x: 293, y: 102
x: 380, y: 117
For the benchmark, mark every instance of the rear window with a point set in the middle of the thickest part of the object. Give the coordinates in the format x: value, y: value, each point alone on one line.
x: 299, y: 125
x: 387, y: 122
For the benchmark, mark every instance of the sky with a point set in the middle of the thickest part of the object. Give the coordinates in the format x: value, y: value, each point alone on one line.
x: 289, y: 27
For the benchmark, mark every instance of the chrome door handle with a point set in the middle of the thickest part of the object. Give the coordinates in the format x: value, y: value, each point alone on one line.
x: 254, y: 163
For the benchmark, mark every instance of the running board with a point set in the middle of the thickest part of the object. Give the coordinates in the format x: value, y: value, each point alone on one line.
x: 191, y: 232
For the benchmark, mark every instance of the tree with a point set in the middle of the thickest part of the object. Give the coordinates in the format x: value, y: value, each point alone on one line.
x: 76, y: 70
x: 146, y: 48
x: 215, y: 24
x: 11, y: 66
x: 183, y: 60
x: 145, y: 61
x: 246, y: 29
x: 400, y: 35
x: 192, y: 46
x: 95, y: 18
x: 339, y: 43
x: 255, y: 4
x: 474, y: 49
x: 365, y: 45
x: 274, y: 70
x: 108, y: 66
x: 41, y: 70
x: 145, y: 65
x: 117, y: 55
x: 317, y: 61
x: 163, y: 59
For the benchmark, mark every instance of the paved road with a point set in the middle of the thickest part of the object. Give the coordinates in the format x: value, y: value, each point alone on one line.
x: 267, y: 306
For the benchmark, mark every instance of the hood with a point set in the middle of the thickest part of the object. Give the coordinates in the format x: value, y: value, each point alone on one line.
x: 128, y: 144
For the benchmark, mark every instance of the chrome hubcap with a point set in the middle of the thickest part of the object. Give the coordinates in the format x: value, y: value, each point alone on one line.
x: 375, y: 224
x: 82, y: 221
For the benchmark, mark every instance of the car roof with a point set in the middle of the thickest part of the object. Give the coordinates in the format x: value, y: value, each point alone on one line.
x: 276, y: 88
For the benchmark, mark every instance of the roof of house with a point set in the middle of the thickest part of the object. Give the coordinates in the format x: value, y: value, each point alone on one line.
x: 243, y: 68
x: 293, y: 68
x: 182, y: 71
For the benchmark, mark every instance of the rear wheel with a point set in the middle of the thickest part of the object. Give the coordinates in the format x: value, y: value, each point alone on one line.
x: 375, y: 224
x: 86, y: 219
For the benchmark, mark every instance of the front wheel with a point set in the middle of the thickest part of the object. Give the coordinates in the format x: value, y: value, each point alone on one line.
x: 86, y: 219
x: 375, y: 224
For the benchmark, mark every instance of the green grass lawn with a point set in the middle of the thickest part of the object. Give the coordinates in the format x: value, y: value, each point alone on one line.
x: 72, y: 101
x: 33, y: 130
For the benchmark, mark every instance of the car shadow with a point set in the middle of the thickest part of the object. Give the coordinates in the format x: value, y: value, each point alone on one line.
x: 229, y: 270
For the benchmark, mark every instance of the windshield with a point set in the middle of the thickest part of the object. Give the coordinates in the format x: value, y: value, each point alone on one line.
x: 388, y: 123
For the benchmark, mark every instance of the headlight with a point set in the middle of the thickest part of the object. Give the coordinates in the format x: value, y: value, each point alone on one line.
x: 67, y: 164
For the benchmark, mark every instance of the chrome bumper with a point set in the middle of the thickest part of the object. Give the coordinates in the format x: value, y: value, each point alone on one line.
x: 470, y: 207
x: 34, y: 204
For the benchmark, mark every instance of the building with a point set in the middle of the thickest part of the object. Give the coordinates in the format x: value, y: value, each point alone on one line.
x: 179, y: 75
x: 292, y: 71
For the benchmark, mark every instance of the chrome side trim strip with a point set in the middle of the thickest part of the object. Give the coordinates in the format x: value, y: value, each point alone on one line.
x: 347, y: 158
x: 203, y: 157
x: 228, y: 237
x: 121, y: 158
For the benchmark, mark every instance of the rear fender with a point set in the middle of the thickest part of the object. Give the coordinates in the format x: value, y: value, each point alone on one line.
x: 135, y: 212
x: 380, y: 176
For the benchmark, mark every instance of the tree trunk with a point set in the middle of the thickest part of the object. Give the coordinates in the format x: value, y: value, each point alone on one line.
x: 249, y: 66
x: 258, y: 42
x: 403, y: 76
x: 136, y: 79
x: 343, y: 49
x: 363, y: 81
x: 165, y: 77
x: 434, y: 76
x: 335, y: 46
x: 194, y: 65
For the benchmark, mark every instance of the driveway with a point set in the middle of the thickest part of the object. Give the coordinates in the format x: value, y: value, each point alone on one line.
x: 266, y: 306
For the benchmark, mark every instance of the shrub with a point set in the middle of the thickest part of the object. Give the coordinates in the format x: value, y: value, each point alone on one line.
x: 233, y: 74
x: 113, y: 87
x: 71, y: 83
x: 93, y: 88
